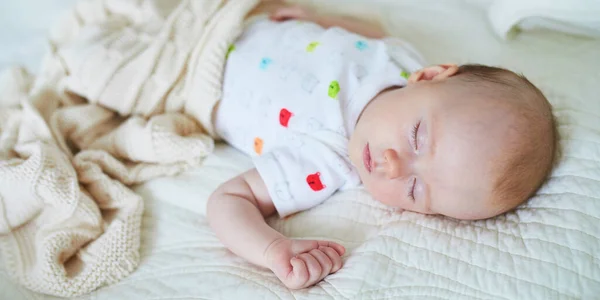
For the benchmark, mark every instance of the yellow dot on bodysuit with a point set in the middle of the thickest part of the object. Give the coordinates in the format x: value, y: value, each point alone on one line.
x: 405, y: 74
x: 312, y: 46
x: 258, y: 145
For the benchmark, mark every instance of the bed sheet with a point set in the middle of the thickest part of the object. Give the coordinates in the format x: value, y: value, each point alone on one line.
x: 547, y: 249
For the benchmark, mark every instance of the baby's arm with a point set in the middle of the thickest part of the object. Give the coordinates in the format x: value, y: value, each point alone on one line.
x: 285, y: 12
x: 236, y: 212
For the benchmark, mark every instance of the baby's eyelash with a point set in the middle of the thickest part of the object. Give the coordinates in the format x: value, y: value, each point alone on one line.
x: 411, y: 192
x: 414, y: 134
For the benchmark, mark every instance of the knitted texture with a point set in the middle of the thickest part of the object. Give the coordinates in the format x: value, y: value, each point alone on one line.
x: 124, y: 95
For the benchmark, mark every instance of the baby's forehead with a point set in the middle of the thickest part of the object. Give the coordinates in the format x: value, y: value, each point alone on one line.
x: 476, y: 113
x: 473, y: 141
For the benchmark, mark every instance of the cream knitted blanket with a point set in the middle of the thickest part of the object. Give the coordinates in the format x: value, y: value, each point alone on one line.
x: 124, y: 95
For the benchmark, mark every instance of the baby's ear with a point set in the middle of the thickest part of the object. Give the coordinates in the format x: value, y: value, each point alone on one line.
x: 437, y: 72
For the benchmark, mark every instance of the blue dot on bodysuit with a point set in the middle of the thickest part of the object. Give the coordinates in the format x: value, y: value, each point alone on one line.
x: 265, y: 62
x: 361, y: 45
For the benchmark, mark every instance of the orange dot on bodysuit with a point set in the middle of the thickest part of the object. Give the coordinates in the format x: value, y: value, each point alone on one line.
x: 258, y: 145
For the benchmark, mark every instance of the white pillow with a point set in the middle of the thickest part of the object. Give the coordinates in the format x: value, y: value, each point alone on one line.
x: 580, y: 17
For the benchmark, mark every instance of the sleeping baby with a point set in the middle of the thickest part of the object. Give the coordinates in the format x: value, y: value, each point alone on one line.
x: 322, y: 105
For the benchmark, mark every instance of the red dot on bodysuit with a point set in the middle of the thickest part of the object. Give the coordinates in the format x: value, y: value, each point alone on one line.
x: 314, y: 182
x: 284, y: 117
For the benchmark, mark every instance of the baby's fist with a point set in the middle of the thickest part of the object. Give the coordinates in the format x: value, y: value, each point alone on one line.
x: 302, y: 263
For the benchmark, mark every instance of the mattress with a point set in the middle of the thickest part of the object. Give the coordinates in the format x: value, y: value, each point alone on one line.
x: 549, y: 248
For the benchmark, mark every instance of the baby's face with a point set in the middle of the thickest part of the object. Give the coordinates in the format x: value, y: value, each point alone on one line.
x: 430, y: 149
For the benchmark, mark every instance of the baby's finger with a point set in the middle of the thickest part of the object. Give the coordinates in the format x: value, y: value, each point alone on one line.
x: 335, y: 258
x: 313, y: 266
x: 299, y: 275
x: 337, y: 247
x: 324, y: 261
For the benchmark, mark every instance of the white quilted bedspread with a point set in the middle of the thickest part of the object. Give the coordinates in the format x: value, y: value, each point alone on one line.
x: 547, y: 249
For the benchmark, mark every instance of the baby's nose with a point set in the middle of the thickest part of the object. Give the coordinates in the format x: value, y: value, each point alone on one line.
x: 394, y: 165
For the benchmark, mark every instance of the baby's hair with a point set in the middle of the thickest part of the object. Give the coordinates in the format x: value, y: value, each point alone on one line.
x: 535, y: 152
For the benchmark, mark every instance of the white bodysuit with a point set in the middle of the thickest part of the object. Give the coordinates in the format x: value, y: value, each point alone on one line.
x: 292, y: 94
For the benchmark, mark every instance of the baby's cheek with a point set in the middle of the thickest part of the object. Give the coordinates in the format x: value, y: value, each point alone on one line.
x: 386, y: 193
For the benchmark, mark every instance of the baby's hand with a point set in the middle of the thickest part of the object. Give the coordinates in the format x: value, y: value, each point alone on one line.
x: 302, y: 263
